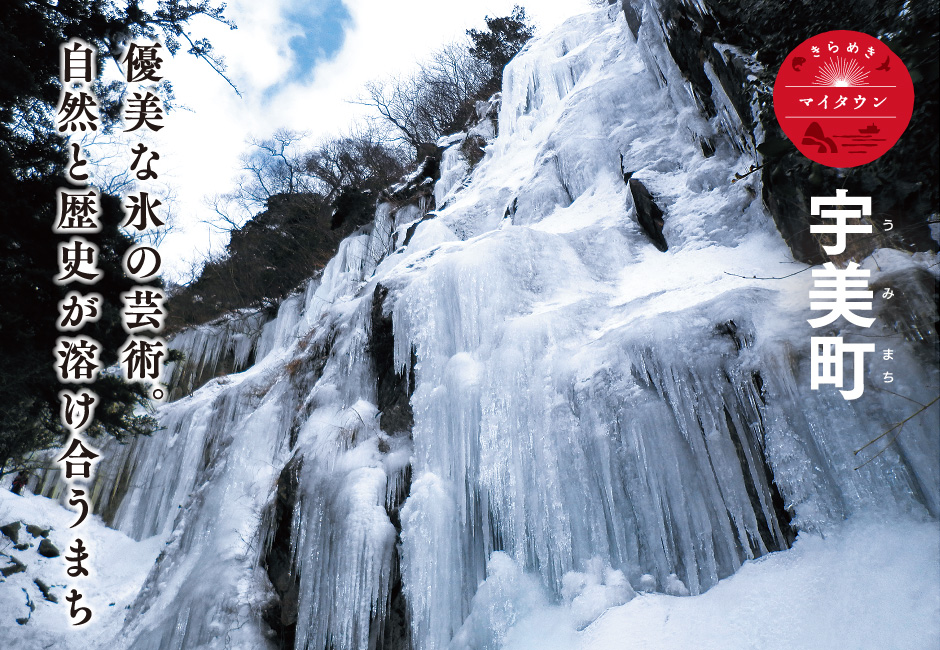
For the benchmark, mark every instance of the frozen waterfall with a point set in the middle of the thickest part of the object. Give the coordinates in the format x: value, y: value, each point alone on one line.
x: 515, y: 400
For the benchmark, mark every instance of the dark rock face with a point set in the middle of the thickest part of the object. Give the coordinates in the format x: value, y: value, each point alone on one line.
x: 687, y: 43
x: 785, y: 199
x: 420, y: 183
x: 904, y: 183
x: 277, y: 560
x: 48, y: 549
x: 45, y: 591
x: 393, y: 630
x: 414, y: 227
x: 634, y: 13
x: 36, y: 531
x: 281, y: 615
x: 14, y: 567
x: 12, y: 531
x: 778, y: 533
x: 396, y: 628
x: 648, y: 214
x: 353, y: 207
x: 472, y: 149
x: 394, y: 389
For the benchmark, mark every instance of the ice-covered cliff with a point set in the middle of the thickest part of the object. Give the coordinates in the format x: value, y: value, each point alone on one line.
x: 518, y: 402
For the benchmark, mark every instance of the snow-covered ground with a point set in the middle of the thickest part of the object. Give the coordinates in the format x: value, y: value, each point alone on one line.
x: 870, y: 584
x: 118, y: 566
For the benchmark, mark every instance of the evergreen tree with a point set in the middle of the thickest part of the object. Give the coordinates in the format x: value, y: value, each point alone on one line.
x: 32, y: 165
x: 499, y: 42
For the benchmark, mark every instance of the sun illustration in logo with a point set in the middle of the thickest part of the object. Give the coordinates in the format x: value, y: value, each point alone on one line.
x: 841, y: 72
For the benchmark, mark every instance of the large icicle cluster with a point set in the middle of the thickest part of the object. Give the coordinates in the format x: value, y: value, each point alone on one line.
x: 591, y: 416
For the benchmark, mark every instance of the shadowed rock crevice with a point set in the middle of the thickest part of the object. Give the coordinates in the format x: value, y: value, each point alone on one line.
x: 394, y: 632
x: 777, y: 534
x: 393, y: 396
x: 393, y: 388
x: 419, y: 183
x: 281, y: 613
x: 648, y: 214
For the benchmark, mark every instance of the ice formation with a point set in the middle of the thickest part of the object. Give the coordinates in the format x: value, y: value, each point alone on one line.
x: 515, y: 401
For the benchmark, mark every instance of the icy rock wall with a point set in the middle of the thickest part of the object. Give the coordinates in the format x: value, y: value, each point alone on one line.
x: 227, y: 345
x: 208, y: 483
x: 218, y: 348
x: 722, y: 58
x: 528, y: 402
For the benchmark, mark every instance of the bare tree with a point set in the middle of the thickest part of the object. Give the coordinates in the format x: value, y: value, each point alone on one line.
x: 395, y: 100
x: 286, y: 218
x: 362, y: 159
x: 230, y: 213
x: 272, y: 166
x: 436, y: 99
x: 453, y: 79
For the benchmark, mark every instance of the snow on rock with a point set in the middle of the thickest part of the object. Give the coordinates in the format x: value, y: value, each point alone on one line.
x: 595, y: 590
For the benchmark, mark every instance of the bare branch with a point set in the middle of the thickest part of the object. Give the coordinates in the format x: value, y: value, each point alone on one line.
x: 897, y: 427
x: 756, y: 277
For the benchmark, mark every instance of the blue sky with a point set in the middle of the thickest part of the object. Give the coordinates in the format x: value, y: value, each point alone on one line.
x: 323, y: 28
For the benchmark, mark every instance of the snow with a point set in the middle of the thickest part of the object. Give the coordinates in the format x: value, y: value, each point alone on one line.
x: 117, y: 564
x: 870, y: 584
x: 608, y: 440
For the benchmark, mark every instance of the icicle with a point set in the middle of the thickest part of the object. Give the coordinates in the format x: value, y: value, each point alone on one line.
x: 590, y: 415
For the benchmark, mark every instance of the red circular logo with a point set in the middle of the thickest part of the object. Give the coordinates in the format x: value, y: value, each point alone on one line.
x: 843, y: 98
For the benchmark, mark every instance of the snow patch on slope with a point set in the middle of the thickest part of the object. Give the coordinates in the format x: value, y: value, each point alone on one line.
x: 117, y: 565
